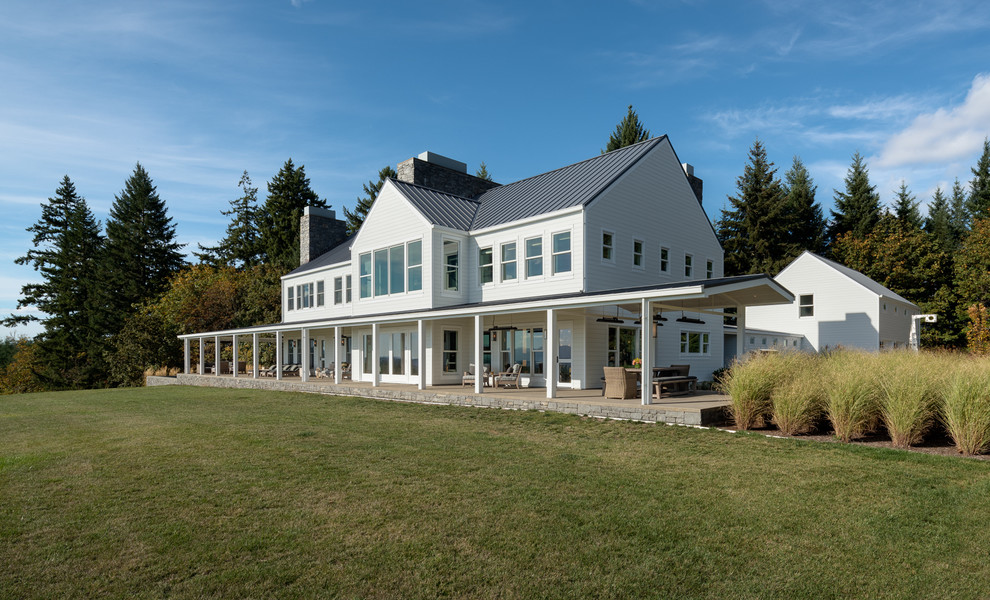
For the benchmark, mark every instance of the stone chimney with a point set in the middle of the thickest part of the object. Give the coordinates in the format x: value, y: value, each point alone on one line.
x: 319, y: 232
x: 696, y: 184
x: 442, y: 174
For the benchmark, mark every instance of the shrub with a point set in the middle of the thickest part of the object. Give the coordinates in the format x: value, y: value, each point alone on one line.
x: 909, y: 385
x: 850, y: 393
x: 797, y: 398
x: 749, y: 384
x: 965, y: 408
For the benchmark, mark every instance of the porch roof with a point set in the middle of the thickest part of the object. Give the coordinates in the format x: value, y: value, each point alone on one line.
x: 696, y: 296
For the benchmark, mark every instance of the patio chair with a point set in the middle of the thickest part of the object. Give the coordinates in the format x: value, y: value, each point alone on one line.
x: 509, y: 378
x: 345, y: 371
x: 468, y: 376
x: 619, y: 383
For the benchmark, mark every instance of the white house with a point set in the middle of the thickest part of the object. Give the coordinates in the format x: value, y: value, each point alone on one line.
x: 833, y: 306
x: 554, y: 273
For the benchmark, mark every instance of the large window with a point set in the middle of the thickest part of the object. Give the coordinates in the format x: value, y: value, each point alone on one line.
x: 534, y: 257
x: 522, y: 346
x: 607, y: 246
x: 397, y: 269
x: 806, y: 305
x: 486, y: 270
x: 508, y: 261
x: 364, y: 275
x: 561, y: 250
x: 622, y: 346
x: 638, y: 254
x: 694, y: 342
x: 665, y: 260
x: 450, y: 263
x: 414, y: 273
x: 381, y: 272
x: 338, y: 290
x: 449, y: 351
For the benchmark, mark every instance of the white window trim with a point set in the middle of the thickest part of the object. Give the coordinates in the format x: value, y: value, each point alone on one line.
x: 491, y: 265
x: 686, y: 257
x: 601, y: 239
x: 812, y: 305
x: 700, y: 341
x: 458, y: 360
x: 444, y: 290
x: 664, y: 271
x: 570, y: 251
x: 515, y: 244
x: 422, y: 278
x: 642, y: 255
x: 709, y: 273
x: 527, y: 258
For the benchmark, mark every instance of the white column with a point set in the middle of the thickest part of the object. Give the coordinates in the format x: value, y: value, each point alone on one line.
x: 479, y: 381
x: 185, y: 356
x: 375, y: 374
x: 550, y: 352
x: 421, y: 341
x: 740, y: 331
x: 254, y: 355
x: 216, y: 352
x: 646, y: 376
x: 202, y: 349
x: 278, y: 355
x: 337, y: 354
x: 233, y: 362
x: 304, y: 367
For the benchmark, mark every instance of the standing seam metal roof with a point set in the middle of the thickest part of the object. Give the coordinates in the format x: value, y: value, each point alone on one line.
x: 439, y: 208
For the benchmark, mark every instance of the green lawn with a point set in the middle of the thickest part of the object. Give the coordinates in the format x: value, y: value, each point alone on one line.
x: 188, y: 492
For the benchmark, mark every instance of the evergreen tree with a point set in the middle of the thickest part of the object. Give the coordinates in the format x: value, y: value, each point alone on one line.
x: 141, y: 251
x: 240, y: 246
x: 806, y: 221
x: 482, y: 172
x: 289, y: 193
x: 628, y: 132
x: 906, y: 209
x: 371, y: 189
x: 859, y: 206
x: 978, y: 203
x: 754, y: 232
x: 939, y: 221
x: 960, y: 216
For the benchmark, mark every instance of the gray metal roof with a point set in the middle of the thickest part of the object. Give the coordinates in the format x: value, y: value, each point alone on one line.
x: 439, y: 208
x: 340, y: 253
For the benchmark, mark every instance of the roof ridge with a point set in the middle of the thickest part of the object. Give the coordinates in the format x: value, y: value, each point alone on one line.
x: 434, y: 190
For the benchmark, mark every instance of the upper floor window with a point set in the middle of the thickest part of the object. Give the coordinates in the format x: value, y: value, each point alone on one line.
x: 561, y: 250
x: 338, y: 290
x: 709, y: 269
x: 638, y: 254
x: 319, y: 293
x: 291, y: 299
x: 381, y: 272
x: 486, y: 270
x: 508, y: 261
x: 397, y: 269
x: 607, y: 246
x: 347, y: 289
x: 806, y: 305
x: 414, y: 273
x: 534, y: 257
x: 688, y: 265
x: 664, y: 260
x: 450, y: 261
x: 364, y: 275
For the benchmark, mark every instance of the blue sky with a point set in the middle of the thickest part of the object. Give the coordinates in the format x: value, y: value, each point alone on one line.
x: 200, y: 91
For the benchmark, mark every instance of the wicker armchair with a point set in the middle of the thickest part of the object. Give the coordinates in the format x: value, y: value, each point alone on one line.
x: 619, y: 383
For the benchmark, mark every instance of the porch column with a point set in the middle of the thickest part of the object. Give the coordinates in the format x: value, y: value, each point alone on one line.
x: 550, y: 351
x: 185, y: 356
x: 375, y: 372
x: 479, y: 381
x: 202, y: 348
x: 421, y: 351
x: 646, y: 376
x: 254, y: 355
x: 216, y: 352
x: 304, y: 370
x: 337, y: 368
x: 740, y: 331
x: 233, y: 362
x: 278, y: 355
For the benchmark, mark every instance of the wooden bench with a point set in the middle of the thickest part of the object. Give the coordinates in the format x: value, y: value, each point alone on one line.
x: 674, y: 385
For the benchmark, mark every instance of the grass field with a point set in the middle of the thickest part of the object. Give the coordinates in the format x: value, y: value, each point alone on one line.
x: 187, y: 492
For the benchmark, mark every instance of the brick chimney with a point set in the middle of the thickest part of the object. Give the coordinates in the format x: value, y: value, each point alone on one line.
x: 319, y: 232
x: 442, y: 174
x: 696, y: 184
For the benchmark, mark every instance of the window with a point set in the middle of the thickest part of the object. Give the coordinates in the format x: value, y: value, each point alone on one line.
x: 292, y: 296
x: 607, y: 246
x: 688, y: 265
x: 534, y: 257
x: 561, y: 252
x: 450, y: 249
x: 638, y: 254
x: 347, y: 290
x: 338, y: 290
x: 319, y: 293
x: 310, y: 295
x: 396, y: 269
x: 694, y: 342
x: 364, y: 274
x: 449, y: 351
x: 299, y: 297
x: 414, y: 273
x: 665, y: 260
x: 806, y: 305
x: 709, y: 269
x: 381, y: 272
x: 508, y: 261
x: 486, y: 271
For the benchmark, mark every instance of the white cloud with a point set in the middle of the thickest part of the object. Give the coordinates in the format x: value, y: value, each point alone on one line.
x: 945, y: 135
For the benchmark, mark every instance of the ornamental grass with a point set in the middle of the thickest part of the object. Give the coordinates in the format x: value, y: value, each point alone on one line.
x: 965, y: 407
x: 909, y: 394
x: 749, y: 384
x: 797, y: 399
x: 850, y: 393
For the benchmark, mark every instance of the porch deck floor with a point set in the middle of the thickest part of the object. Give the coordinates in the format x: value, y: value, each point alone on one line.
x: 701, y: 408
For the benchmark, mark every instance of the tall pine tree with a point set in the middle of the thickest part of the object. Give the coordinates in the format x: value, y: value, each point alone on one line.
x: 939, y: 221
x: 356, y: 217
x: 978, y: 203
x: 806, y: 221
x: 289, y: 193
x: 141, y: 251
x: 858, y: 207
x: 957, y: 206
x: 240, y: 247
x: 906, y: 209
x: 628, y: 132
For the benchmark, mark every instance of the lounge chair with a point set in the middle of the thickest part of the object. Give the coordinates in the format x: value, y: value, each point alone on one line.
x: 619, y: 383
x: 468, y: 377
x: 509, y: 378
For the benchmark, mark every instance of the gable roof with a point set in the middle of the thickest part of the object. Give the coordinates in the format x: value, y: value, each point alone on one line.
x: 439, y: 208
x: 340, y: 253
x: 856, y: 276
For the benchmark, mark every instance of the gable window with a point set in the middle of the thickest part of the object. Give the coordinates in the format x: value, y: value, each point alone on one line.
x: 319, y: 293
x: 709, y: 269
x: 638, y: 254
x: 292, y: 296
x: 508, y: 261
x: 665, y: 260
x: 561, y: 252
x: 695, y: 342
x: 347, y: 290
x: 806, y: 305
x: 396, y: 269
x: 607, y: 246
x: 364, y: 275
x: 338, y: 290
x: 534, y: 257
x: 450, y: 250
x: 414, y: 273
x: 486, y: 271
x: 688, y: 265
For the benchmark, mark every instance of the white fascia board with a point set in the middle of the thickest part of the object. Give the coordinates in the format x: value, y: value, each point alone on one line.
x: 528, y: 220
x: 310, y: 273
